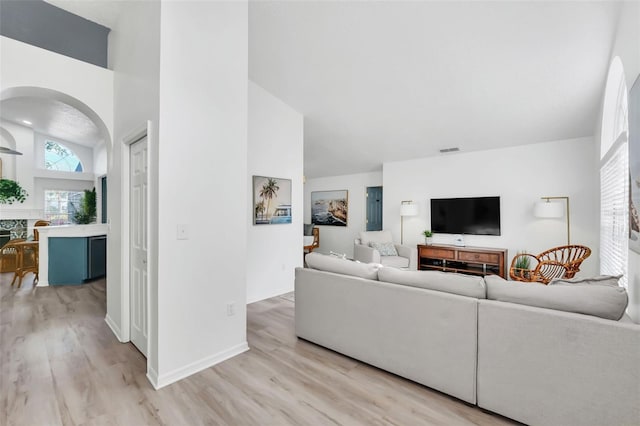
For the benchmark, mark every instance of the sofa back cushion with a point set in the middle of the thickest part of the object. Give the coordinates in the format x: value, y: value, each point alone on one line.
x: 323, y: 262
x: 368, y: 237
x: 464, y: 285
x: 604, y: 301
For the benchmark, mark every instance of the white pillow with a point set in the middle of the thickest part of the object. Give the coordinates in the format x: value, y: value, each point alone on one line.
x: 385, y: 249
x: 598, y: 280
x: 604, y: 301
x: 339, y: 265
x: 464, y: 285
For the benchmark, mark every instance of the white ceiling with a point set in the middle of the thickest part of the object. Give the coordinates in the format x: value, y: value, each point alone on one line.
x: 384, y: 81
x: 53, y: 118
x: 103, y: 12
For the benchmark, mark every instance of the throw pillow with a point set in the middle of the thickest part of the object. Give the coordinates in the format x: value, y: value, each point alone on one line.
x: 604, y: 301
x: 342, y: 266
x: 308, y: 229
x: 599, y: 280
x: 464, y: 285
x: 385, y: 249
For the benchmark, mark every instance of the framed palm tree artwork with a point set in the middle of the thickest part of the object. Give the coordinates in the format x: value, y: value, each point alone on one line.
x: 271, y: 200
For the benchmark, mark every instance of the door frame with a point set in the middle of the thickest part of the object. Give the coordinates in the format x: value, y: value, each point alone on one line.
x: 141, y: 132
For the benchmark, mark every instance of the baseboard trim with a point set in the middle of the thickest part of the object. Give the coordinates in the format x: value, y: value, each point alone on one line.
x: 114, y: 327
x: 160, y: 381
x: 152, y: 376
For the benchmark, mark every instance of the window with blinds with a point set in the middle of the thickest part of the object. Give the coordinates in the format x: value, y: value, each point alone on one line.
x: 614, y: 210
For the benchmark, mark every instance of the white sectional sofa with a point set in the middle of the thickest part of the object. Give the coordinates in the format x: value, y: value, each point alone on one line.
x: 537, y: 365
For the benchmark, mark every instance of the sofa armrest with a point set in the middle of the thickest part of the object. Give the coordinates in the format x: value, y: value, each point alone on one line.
x: 572, y: 369
x: 365, y: 254
x: 411, y: 253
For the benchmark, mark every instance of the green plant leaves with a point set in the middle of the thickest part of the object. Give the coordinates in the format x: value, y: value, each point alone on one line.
x: 11, y: 192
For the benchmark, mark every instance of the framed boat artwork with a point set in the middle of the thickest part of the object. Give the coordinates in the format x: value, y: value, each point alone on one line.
x: 330, y: 207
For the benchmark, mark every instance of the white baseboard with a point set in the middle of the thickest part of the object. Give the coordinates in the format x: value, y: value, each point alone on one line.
x: 114, y: 327
x: 160, y: 381
x: 42, y: 283
x: 152, y: 376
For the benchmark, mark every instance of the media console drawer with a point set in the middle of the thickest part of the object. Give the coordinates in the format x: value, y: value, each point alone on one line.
x: 479, y: 257
x: 441, y: 253
x: 465, y: 260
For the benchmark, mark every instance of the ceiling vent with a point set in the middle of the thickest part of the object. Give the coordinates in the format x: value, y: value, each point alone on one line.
x: 446, y: 150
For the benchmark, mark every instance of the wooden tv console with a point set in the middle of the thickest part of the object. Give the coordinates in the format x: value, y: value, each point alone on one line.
x: 466, y: 260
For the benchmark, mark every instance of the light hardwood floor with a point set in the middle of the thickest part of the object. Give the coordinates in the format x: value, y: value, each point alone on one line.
x: 61, y: 365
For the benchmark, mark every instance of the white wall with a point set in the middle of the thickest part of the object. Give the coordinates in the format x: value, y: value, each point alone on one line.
x: 202, y: 163
x: 84, y: 86
x: 337, y: 238
x: 520, y: 176
x: 8, y: 161
x: 23, y: 165
x: 89, y: 84
x: 134, y: 56
x: 627, y: 47
x: 275, y: 138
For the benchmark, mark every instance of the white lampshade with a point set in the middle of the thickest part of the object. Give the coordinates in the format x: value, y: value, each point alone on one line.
x: 548, y: 209
x: 408, y: 209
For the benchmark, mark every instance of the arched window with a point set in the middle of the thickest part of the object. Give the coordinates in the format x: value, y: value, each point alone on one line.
x: 59, y: 157
x: 614, y: 176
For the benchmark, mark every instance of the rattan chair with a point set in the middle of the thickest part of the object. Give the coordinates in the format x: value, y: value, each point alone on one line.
x: 558, y: 262
x: 315, y: 244
x: 9, y: 255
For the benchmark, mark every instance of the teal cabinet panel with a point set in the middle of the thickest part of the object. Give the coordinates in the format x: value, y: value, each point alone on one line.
x: 67, y: 260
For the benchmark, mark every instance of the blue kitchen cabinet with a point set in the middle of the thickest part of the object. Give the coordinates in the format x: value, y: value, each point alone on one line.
x: 73, y: 260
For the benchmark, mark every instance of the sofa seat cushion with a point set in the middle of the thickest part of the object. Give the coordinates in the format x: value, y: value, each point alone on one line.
x: 323, y: 262
x: 464, y: 285
x: 604, y: 301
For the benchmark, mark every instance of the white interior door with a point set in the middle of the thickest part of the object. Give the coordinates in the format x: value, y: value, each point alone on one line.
x: 138, y: 244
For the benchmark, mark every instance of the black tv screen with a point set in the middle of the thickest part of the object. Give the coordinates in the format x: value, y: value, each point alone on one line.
x: 476, y: 216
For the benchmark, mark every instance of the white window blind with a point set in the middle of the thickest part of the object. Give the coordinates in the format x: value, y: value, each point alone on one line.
x: 614, y: 213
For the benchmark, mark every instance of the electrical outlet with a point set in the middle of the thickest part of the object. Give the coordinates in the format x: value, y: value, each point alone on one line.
x: 231, y: 309
x: 183, y: 232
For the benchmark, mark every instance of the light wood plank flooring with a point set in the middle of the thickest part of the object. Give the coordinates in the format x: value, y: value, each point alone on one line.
x: 61, y: 365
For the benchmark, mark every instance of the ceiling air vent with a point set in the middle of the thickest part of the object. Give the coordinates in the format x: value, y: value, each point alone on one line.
x: 446, y: 150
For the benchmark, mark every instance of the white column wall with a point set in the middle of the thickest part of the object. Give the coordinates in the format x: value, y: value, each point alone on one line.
x: 202, y: 165
x: 275, y: 150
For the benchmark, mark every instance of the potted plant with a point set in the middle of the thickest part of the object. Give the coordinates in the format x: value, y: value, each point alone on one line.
x: 11, y: 192
x: 522, y: 264
x: 428, y: 237
x: 87, y: 211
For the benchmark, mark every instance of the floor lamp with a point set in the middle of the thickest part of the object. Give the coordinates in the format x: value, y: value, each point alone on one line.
x: 547, y: 209
x: 407, y: 208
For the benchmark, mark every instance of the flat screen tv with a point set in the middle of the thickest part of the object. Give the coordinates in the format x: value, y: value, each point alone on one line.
x: 476, y: 216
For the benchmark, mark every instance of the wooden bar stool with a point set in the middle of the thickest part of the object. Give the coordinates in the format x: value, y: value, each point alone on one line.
x: 26, y: 260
